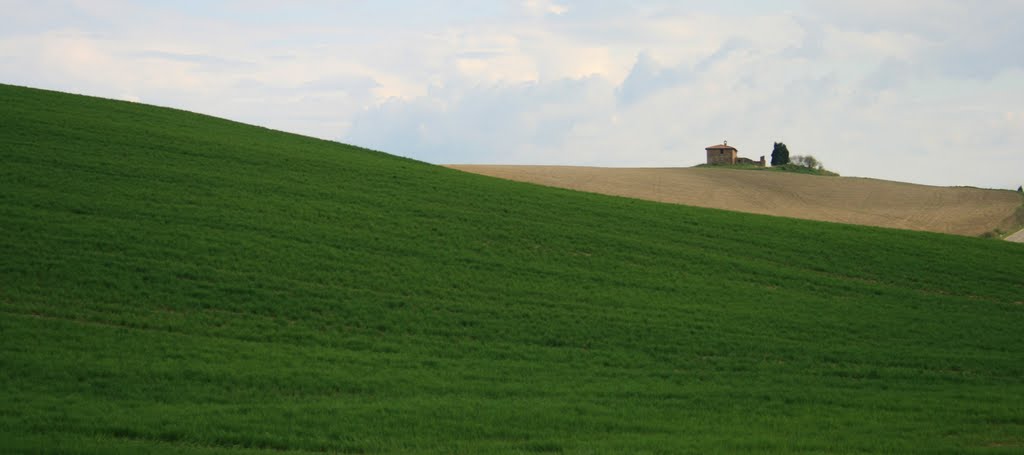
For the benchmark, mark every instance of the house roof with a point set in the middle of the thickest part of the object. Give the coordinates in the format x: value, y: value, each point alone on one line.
x: 720, y: 147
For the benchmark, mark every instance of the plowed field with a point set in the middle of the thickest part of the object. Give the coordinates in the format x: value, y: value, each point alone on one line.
x: 951, y: 210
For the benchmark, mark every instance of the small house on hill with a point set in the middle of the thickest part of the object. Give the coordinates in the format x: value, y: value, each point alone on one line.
x: 727, y: 154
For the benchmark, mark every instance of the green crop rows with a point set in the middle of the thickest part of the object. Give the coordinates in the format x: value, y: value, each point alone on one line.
x: 171, y: 282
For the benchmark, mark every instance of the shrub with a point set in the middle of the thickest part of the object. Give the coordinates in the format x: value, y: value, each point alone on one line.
x: 808, y: 161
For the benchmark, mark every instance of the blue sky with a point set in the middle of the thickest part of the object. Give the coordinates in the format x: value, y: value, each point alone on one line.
x: 927, y: 91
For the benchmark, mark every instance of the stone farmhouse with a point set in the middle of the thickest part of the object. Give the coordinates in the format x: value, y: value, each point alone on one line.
x: 726, y: 154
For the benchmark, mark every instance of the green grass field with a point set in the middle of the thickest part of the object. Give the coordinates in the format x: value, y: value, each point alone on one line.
x: 176, y: 283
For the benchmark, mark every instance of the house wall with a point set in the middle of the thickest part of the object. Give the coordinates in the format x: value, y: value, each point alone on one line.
x: 742, y: 160
x: 720, y: 156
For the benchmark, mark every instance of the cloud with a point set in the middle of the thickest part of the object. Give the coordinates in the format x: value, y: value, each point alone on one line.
x: 542, y: 7
x: 732, y: 44
x: 349, y: 83
x: 812, y: 45
x: 891, y: 74
x: 207, y: 62
x: 649, y: 77
x: 957, y: 39
x: 503, y: 120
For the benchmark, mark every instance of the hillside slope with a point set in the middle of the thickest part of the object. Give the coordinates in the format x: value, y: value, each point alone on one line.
x: 1016, y: 237
x: 171, y: 282
x: 869, y: 202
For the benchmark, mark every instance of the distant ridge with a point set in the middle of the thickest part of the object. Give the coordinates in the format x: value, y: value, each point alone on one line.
x: 869, y: 202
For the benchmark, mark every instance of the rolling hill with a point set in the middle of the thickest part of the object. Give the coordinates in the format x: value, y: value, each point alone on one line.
x: 176, y: 283
x: 869, y: 202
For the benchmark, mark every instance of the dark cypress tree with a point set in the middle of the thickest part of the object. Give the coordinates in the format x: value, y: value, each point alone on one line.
x: 780, y: 154
x: 1020, y: 189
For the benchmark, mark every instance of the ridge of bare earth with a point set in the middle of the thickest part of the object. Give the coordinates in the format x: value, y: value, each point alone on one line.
x: 1018, y: 237
x: 951, y: 210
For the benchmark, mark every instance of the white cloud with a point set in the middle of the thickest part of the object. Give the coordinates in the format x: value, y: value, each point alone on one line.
x: 545, y: 7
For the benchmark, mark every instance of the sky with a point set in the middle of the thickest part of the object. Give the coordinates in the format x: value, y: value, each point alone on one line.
x: 924, y: 91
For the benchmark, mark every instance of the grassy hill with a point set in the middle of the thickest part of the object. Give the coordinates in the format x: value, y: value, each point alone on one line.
x: 171, y: 282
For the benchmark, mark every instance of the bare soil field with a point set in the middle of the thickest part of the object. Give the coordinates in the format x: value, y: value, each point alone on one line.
x: 1018, y: 237
x: 871, y: 202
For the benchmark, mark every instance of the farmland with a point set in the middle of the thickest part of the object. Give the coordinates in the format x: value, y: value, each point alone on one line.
x: 869, y: 202
x: 172, y: 282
